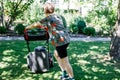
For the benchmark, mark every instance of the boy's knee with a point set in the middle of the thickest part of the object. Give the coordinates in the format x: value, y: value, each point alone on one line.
x: 65, y: 60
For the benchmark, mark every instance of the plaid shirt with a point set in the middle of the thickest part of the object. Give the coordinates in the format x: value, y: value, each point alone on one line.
x: 58, y: 33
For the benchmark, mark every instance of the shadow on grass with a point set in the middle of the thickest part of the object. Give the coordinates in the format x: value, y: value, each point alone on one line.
x: 90, y: 61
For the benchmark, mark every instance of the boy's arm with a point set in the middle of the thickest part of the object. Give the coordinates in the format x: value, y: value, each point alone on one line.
x: 34, y: 25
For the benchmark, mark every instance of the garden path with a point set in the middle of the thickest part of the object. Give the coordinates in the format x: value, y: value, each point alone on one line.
x: 73, y: 38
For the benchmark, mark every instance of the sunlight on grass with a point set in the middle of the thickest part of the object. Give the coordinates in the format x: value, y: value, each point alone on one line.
x: 90, y: 61
x: 79, y: 56
x: 8, y: 52
x: 24, y: 65
x: 56, y: 76
x: 3, y: 65
x: 22, y: 77
x: 83, y: 62
x: 103, y: 70
x: 82, y: 56
x: 28, y: 78
x: 93, y: 53
x: 84, y: 68
x: 95, y: 69
x: 50, y: 75
x: 8, y: 59
x: 116, y: 69
x: 4, y: 73
x: 94, y: 47
x: 90, y: 77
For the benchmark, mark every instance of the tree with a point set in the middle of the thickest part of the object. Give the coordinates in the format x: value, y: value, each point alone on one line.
x: 1, y: 13
x: 34, y: 12
x: 13, y: 9
x: 115, y: 39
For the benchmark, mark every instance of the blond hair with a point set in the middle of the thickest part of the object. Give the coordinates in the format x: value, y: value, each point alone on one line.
x: 48, y: 8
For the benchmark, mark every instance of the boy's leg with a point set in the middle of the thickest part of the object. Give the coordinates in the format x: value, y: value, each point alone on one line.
x: 64, y: 64
x: 64, y: 73
x: 58, y: 60
x: 67, y: 67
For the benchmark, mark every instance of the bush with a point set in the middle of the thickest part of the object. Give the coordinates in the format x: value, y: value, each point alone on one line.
x: 35, y: 30
x: 73, y: 28
x: 89, y: 31
x: 64, y: 21
x: 2, y: 30
x: 80, y: 23
x: 19, y: 29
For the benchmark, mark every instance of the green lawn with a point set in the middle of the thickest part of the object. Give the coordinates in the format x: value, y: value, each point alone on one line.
x: 88, y: 60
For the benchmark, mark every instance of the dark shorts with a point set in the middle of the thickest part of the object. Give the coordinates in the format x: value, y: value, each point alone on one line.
x: 62, y: 50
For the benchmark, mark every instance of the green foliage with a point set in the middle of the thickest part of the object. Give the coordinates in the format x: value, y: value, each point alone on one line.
x: 19, y: 29
x: 15, y: 9
x: 73, y: 28
x: 35, y: 30
x: 77, y: 25
x: 2, y: 30
x: 34, y: 13
x: 103, y: 20
x: 80, y: 23
x: 89, y: 31
x: 64, y: 21
x: 103, y: 17
x: 111, y: 18
x: 102, y: 14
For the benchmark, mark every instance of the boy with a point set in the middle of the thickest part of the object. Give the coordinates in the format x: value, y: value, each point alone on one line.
x: 59, y: 38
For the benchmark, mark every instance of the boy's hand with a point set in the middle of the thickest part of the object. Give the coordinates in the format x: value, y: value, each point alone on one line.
x: 35, y: 25
x: 28, y: 27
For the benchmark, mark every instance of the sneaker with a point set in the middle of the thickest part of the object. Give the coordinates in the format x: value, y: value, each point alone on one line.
x: 64, y: 77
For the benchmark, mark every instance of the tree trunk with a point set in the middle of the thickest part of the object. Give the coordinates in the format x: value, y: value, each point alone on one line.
x: 115, y: 39
x: 2, y: 13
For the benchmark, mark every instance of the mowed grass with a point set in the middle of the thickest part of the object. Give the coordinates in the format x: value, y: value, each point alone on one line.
x: 90, y: 61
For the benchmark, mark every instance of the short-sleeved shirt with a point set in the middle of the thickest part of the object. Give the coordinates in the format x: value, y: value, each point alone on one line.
x: 57, y: 32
